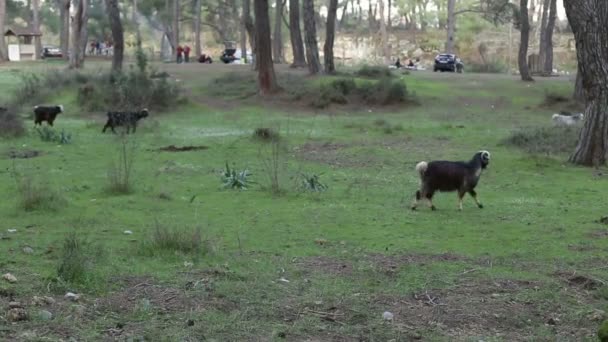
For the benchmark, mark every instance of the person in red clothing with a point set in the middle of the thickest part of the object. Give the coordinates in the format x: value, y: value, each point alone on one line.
x: 180, y: 51
x: 187, y: 53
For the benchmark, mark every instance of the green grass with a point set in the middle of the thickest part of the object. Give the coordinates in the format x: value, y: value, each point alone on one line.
x: 349, y: 253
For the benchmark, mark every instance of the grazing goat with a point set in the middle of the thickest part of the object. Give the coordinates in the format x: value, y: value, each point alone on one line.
x: 448, y: 176
x: 46, y: 113
x: 128, y: 119
x: 567, y: 120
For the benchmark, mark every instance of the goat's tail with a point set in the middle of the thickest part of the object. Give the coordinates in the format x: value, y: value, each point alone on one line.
x: 421, y: 168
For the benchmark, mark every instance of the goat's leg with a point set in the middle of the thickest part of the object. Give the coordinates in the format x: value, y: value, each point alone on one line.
x: 416, y: 200
x: 474, y: 195
x: 429, y: 197
x: 460, y: 197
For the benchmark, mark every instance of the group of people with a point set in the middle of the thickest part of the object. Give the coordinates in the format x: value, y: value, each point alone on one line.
x: 99, y: 48
x: 410, y: 63
x: 183, y: 54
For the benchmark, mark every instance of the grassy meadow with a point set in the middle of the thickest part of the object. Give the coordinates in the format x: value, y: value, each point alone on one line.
x: 206, y: 263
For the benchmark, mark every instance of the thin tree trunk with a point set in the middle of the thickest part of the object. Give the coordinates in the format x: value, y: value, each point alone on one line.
x: 548, y: 62
x: 344, y: 14
x: 250, y: 30
x: 198, y: 49
x: 77, y: 28
x: 542, y: 44
x: 389, y: 19
x: 384, y: 34
x: 243, y: 28
x: 35, y: 27
x: 176, y: 21
x: 532, y: 11
x: 277, y: 41
x: 310, y: 33
x: 117, y: 34
x: 84, y: 31
x: 64, y: 34
x: 266, y: 77
x: 449, y: 44
x: 328, y: 48
x: 588, y: 21
x: 135, y: 21
x: 523, y: 45
x: 297, y: 46
x: 3, y: 48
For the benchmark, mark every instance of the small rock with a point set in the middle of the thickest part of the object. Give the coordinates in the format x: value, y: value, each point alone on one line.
x: 188, y: 264
x: 9, y: 277
x: 14, y: 305
x: 596, y: 315
x: 27, y: 250
x: 72, y: 296
x: 128, y: 232
x: 40, y: 301
x: 11, y: 230
x: 318, y: 302
x: 495, y: 295
x: 16, y: 315
x: 387, y: 316
x: 553, y: 321
x: 284, y: 280
x: 45, y: 315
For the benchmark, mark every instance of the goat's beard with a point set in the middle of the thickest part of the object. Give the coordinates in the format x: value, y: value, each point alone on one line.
x: 484, y: 165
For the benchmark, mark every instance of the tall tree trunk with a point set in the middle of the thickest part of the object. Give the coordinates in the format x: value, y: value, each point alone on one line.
x: 35, y: 27
x: 548, y: 62
x: 277, y: 41
x: 136, y: 22
x: 449, y: 44
x: 588, y: 20
x: 310, y: 36
x: 3, y: 48
x: 523, y: 45
x: 117, y: 34
x: 328, y: 48
x: 198, y: 50
x: 84, y: 31
x: 389, y: 19
x: 579, y: 91
x: 243, y: 30
x: 64, y: 26
x: 297, y: 46
x: 78, y: 24
x: 384, y: 34
x: 542, y: 44
x: 250, y: 30
x: 266, y: 77
x: 532, y: 11
x: 176, y: 21
x: 344, y: 14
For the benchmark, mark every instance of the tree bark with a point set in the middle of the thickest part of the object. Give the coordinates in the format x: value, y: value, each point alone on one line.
x: 277, y: 41
x: 542, y: 45
x: 243, y: 28
x: 117, y: 34
x: 548, y: 61
x: 579, y: 91
x: 328, y: 48
x: 35, y: 27
x: 136, y: 22
x: 78, y: 26
x: 266, y: 77
x: 64, y: 26
x: 198, y: 49
x: 344, y: 14
x: 384, y: 34
x: 3, y: 48
x: 310, y: 37
x: 84, y: 31
x: 250, y: 30
x: 389, y: 21
x: 523, y: 45
x: 449, y: 44
x: 588, y: 21
x: 176, y: 21
x: 297, y: 46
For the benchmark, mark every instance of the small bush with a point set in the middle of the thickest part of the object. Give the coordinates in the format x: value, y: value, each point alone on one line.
x: 385, y: 92
x: 545, y: 140
x: 73, y: 264
x: 35, y: 88
x: 552, y: 99
x: 120, y: 172
x: 35, y: 194
x: 233, y: 179
x: 11, y: 124
x: 312, y: 183
x: 491, y: 67
x: 265, y: 134
x: 169, y: 239
x: 47, y: 134
x: 376, y: 71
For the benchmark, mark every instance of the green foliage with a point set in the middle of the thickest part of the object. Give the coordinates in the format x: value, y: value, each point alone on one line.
x: 266, y: 134
x: 74, y: 263
x: 233, y: 179
x: 491, y: 67
x: 36, y: 194
x: 141, y: 60
x: 545, y: 140
x: 311, y: 182
x: 374, y: 71
x: 602, y: 332
x: 11, y: 124
x: 121, y: 169
x: 47, y: 134
x: 385, y: 92
x: 170, y: 239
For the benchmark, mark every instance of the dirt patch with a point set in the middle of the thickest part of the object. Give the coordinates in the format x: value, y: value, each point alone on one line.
x: 392, y: 263
x: 23, y: 154
x: 173, y: 148
x: 326, y: 265
x: 580, y: 281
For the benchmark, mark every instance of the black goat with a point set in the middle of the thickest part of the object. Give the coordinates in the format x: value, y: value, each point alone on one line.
x: 128, y: 119
x: 448, y: 176
x: 46, y: 113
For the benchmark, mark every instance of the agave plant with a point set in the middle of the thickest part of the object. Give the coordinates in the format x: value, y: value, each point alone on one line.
x: 234, y: 179
x: 312, y: 183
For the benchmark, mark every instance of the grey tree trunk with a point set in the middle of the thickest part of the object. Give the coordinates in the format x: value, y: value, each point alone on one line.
x: 198, y: 49
x: 310, y: 37
x: 579, y: 91
x: 328, y: 48
x: 277, y: 41
x: 250, y: 30
x: 449, y: 44
x: 3, y: 48
x: 548, y: 61
x: 117, y: 34
x: 542, y: 44
x: 176, y: 20
x: 84, y: 32
x: 297, y: 46
x: 243, y: 34
x: 64, y: 34
x: 135, y: 21
x: 588, y: 21
x: 266, y: 77
x: 79, y: 23
x: 384, y: 34
x: 35, y: 26
x: 523, y: 45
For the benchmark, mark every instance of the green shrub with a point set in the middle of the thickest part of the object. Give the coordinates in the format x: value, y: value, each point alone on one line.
x: 121, y: 169
x: 233, y: 179
x: 312, y: 183
x: 170, y: 239
x: 385, y: 92
x: 375, y: 71
x: 35, y: 194
x: 47, y: 134
x: 11, y: 124
x: 74, y: 263
x: 266, y: 134
x: 491, y: 67
x: 545, y: 140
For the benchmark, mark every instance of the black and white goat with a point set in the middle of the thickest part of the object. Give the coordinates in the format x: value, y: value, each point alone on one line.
x: 567, y: 119
x: 448, y: 176
x: 46, y: 113
x: 128, y: 119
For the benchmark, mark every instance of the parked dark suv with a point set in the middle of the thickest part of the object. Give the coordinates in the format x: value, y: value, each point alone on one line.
x: 447, y: 62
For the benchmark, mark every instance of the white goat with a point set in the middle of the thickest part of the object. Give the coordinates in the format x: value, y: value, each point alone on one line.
x: 567, y: 120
